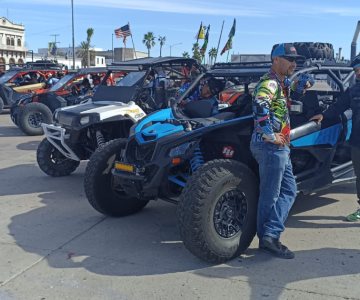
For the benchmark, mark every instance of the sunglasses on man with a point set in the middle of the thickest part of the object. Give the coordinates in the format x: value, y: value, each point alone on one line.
x: 289, y: 59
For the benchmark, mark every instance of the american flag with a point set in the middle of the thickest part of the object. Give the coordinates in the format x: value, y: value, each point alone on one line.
x: 123, y: 31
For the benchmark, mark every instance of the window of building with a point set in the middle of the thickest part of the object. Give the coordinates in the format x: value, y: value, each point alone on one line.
x: 97, y: 60
x: 19, y: 42
x: 8, y: 41
x: 12, y: 42
x: 102, y: 61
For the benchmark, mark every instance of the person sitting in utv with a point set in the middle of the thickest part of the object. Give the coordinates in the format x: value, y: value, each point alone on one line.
x: 85, y: 86
x: 206, y: 103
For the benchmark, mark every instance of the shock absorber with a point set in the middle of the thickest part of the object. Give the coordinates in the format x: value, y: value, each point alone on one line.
x: 197, y: 160
x: 100, y: 140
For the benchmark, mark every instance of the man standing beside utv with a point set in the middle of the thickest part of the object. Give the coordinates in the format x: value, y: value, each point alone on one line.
x: 270, y: 147
x: 350, y: 99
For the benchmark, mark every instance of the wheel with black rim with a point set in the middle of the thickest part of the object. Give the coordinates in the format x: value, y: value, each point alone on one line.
x: 31, y: 116
x: 217, y: 210
x: 52, y: 162
x: 98, y: 183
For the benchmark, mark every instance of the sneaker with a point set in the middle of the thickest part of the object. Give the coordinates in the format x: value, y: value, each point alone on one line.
x: 354, y: 217
x: 274, y: 247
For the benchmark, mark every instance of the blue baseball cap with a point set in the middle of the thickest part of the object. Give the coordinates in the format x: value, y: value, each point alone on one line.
x: 285, y: 50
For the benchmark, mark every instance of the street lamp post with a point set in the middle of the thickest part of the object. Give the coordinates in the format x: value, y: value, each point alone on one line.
x: 73, y: 37
x: 173, y: 46
x: 32, y: 55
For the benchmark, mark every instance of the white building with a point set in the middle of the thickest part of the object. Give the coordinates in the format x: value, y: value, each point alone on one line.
x: 12, y: 43
x: 64, y: 55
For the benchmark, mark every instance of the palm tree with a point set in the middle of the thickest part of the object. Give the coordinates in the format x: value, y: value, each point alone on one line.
x: 84, y: 51
x: 196, y: 52
x: 212, y: 54
x: 162, y: 40
x: 186, y: 54
x: 89, y: 34
x: 149, y: 41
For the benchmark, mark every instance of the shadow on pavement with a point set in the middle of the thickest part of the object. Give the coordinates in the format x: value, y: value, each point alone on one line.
x: 74, y: 235
x: 32, y: 145
x: 28, y: 179
x: 262, y: 271
x: 10, y: 131
x: 305, y: 203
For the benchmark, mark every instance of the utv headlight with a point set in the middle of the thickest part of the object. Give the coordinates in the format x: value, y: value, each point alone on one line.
x: 84, y: 120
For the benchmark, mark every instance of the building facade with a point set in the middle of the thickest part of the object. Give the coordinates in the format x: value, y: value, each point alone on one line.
x: 12, y: 44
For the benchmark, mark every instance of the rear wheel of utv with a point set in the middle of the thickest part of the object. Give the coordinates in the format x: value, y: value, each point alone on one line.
x: 31, y: 117
x: 217, y: 210
x: 52, y: 162
x: 14, y: 112
x: 98, y: 183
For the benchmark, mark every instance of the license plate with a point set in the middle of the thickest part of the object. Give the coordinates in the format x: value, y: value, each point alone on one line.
x: 124, y: 167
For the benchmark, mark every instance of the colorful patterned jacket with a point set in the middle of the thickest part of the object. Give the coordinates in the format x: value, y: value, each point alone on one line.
x: 270, y: 108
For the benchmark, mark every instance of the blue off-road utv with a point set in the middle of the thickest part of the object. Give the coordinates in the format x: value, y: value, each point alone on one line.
x: 203, y: 163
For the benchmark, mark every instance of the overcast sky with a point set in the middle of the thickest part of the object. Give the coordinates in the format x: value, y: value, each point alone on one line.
x: 260, y: 23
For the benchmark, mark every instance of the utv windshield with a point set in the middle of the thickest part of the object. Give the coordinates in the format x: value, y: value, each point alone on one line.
x: 131, y: 78
x: 7, y: 76
x: 61, y: 82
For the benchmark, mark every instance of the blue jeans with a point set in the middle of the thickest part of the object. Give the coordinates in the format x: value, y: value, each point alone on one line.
x: 277, y: 187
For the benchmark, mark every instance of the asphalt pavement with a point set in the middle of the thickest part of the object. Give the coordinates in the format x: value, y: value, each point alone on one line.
x: 54, y: 245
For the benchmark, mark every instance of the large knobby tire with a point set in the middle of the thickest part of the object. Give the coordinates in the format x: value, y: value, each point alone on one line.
x: 52, y: 162
x: 14, y: 112
x: 217, y: 210
x: 1, y: 105
x: 98, y: 183
x: 31, y: 116
x: 315, y: 50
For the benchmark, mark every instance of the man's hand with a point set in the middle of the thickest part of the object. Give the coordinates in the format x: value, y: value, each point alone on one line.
x: 317, y: 118
x: 279, y: 139
x: 302, y: 83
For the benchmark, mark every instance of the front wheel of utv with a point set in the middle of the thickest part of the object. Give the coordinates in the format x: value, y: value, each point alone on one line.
x: 98, y: 183
x: 29, y: 119
x: 52, y: 162
x: 217, y: 210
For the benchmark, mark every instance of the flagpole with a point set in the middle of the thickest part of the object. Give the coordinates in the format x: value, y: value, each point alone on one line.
x: 112, y: 47
x: 227, y: 56
x: 217, y: 50
x: 132, y: 41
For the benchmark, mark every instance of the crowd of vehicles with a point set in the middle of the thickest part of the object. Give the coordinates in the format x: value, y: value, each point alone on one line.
x: 79, y: 130
x: 143, y: 143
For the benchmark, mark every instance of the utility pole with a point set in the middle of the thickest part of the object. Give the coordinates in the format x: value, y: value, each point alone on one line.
x: 55, y: 42
x: 73, y: 36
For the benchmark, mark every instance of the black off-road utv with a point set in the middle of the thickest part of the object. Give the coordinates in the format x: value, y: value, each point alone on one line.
x: 204, y: 164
